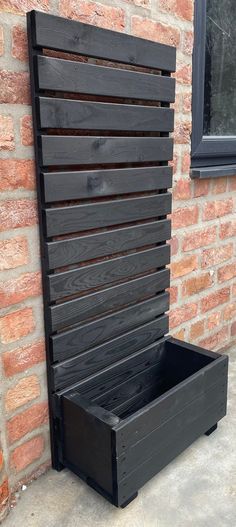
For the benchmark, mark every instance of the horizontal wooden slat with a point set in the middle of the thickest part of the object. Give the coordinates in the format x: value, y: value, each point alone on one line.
x: 85, y: 115
x: 97, y: 183
x: 80, y: 309
x: 69, y: 343
x: 78, y: 77
x: 96, y: 359
x: 75, y: 250
x: 65, y: 220
x: 74, y: 150
x: 74, y: 37
x: 97, y: 274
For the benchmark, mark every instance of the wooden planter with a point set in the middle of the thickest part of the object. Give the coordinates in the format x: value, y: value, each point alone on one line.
x: 124, y: 399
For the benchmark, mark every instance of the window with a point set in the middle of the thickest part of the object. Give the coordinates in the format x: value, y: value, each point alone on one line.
x: 214, y: 86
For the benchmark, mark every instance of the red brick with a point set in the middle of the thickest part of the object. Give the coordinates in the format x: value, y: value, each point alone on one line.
x: 18, y: 289
x: 216, y: 209
x: 184, y: 217
x: 15, y: 325
x: 184, y: 266
x: 201, y: 187
x: 174, y: 245
x: 6, y: 133
x: 216, y: 255
x: 173, y: 291
x: 22, y: 359
x: 195, y: 285
x: 19, y: 43
x: 200, y: 238
x: 26, y: 130
x: 13, y: 252
x: 234, y: 290
x: 182, y: 189
x: 181, y: 8
x: 187, y: 42
x: 156, y: 31
x: 215, y: 341
x: 197, y: 330
x: 17, y: 213
x: 183, y: 74
x: 233, y: 329
x: 16, y: 174
x: 27, y: 453
x: 187, y: 102
x: 24, y: 391
x: 227, y: 272
x: 215, y: 299
x: 213, y: 320
x: 1, y: 460
x: 1, y: 41
x: 14, y: 87
x: 94, y: 13
x: 182, y: 132
x: 228, y: 229
x: 20, y: 7
x: 185, y: 163
x: 181, y: 314
x: 219, y: 185
x: 4, y: 494
x: 27, y: 421
x: 180, y: 334
x: 232, y: 182
x: 229, y: 312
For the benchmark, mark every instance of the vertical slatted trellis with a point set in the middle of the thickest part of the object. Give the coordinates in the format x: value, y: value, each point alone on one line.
x: 102, y: 120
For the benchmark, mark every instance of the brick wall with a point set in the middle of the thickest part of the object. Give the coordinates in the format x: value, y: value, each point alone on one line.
x: 203, y: 290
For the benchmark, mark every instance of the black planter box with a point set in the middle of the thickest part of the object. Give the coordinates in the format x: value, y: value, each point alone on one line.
x: 124, y: 425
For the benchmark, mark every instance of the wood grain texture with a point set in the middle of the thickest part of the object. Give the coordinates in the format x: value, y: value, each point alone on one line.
x: 74, y: 150
x: 65, y: 220
x: 78, y: 77
x: 84, y: 39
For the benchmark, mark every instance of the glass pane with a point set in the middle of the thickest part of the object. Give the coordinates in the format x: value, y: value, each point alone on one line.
x: 220, y: 71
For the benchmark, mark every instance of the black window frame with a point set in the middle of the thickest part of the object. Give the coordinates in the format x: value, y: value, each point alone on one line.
x: 207, y: 151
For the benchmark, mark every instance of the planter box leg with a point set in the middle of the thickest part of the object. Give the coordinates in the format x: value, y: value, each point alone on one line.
x: 211, y: 430
x: 127, y: 502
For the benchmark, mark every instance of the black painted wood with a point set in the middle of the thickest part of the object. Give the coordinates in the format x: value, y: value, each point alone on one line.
x: 87, y: 115
x: 71, y: 150
x: 78, y: 77
x: 84, y: 39
x: 65, y: 220
x: 75, y: 250
x: 100, y: 183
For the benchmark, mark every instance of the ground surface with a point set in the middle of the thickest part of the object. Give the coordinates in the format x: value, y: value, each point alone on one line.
x: 198, y: 489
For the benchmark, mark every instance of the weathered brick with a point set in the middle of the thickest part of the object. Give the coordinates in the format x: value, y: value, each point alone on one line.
x: 187, y: 42
x: 216, y: 209
x: 1, y: 41
x: 227, y: 272
x: 196, y: 284
x: 219, y: 185
x: 4, y: 494
x: 213, y: 320
x: 18, y: 289
x: 26, y: 130
x: 17, y: 213
x: 6, y: 133
x: 14, y: 87
x: 15, y: 325
x: 156, y: 31
x: 233, y: 329
x: 174, y: 245
x: 180, y: 334
x: 197, y: 330
x: 13, y: 252
x: 23, y: 358
x: 187, y: 102
x: 234, y: 290
x: 228, y: 229
x: 230, y: 311
x: 27, y: 421
x: 25, y: 454
x: 215, y: 341
x: 201, y: 187
x: 173, y: 291
x: 182, y: 189
x: 216, y: 255
x: 105, y: 16
x: 19, y: 43
x: 20, y: 7
x: 182, y: 132
x: 180, y: 8
x: 232, y: 182
x: 24, y: 391
x: 16, y: 174
x: 1, y: 460
x: 185, y: 163
x: 183, y: 74
x: 199, y: 238
x: 184, y: 217
x: 181, y: 314
x: 184, y: 266
x: 215, y: 299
